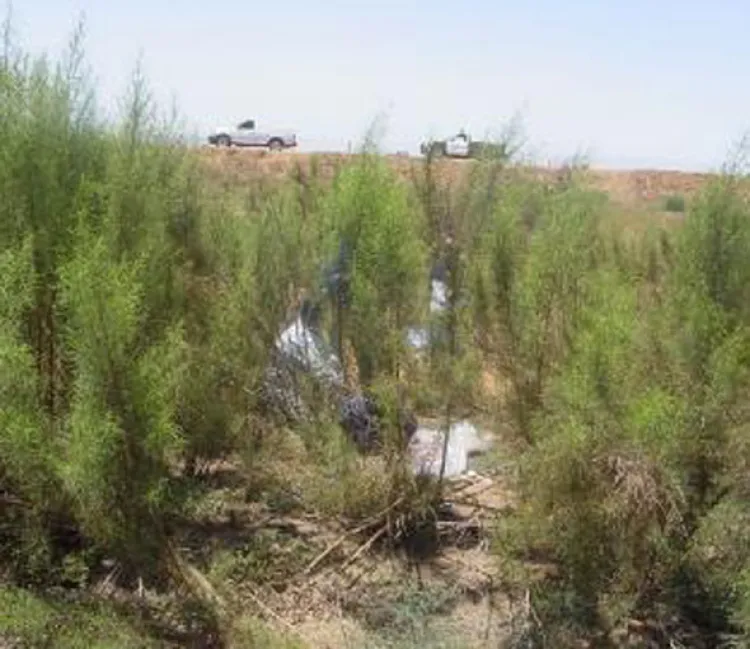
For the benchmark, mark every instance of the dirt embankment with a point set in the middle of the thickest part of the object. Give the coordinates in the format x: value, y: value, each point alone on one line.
x: 238, y: 166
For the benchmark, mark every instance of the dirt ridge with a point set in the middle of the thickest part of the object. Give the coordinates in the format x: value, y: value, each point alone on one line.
x: 636, y: 185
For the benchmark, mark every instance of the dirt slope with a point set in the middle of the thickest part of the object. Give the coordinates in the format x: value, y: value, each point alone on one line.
x: 236, y: 166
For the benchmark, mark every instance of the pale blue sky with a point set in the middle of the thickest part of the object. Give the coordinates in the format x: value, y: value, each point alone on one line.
x: 634, y: 83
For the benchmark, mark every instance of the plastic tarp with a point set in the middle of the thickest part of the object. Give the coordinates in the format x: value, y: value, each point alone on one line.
x: 426, y: 448
x: 419, y: 337
x: 309, y: 351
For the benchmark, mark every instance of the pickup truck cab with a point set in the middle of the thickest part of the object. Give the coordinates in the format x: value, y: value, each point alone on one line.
x: 245, y: 134
x: 458, y: 146
x: 462, y: 146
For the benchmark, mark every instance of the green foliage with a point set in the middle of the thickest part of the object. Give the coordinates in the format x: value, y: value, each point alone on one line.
x: 607, y: 502
x: 91, y: 333
x: 251, y: 274
x: 121, y: 428
x: 23, y: 441
x: 528, y: 281
x: 370, y: 213
x: 35, y: 622
x: 633, y: 485
x: 138, y: 308
x: 339, y: 482
x: 675, y: 203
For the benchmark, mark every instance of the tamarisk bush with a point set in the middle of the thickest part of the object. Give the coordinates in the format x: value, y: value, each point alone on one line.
x: 381, y: 235
x: 632, y: 487
x: 134, y: 327
x: 528, y: 285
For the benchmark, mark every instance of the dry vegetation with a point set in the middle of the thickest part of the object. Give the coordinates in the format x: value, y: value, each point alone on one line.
x: 598, y: 326
x: 625, y: 187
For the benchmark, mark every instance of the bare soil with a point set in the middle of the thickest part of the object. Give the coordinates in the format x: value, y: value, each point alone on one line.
x: 635, y: 187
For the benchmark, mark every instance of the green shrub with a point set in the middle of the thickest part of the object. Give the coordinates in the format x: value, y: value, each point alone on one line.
x: 40, y: 623
x: 529, y: 287
x: 139, y: 305
x: 371, y: 216
x: 675, y: 203
x: 632, y: 488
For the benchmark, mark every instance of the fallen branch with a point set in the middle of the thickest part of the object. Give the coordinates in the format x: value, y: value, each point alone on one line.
x: 361, y: 528
x: 531, y: 609
x: 317, y: 560
x: 459, y: 525
x: 465, y: 481
x: 461, y: 532
x: 490, y: 508
x: 103, y: 588
x: 365, y: 546
x: 475, y: 489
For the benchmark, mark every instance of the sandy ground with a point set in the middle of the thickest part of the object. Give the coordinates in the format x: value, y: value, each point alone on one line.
x: 627, y: 187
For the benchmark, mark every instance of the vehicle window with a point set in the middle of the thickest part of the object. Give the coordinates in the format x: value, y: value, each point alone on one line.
x: 248, y: 124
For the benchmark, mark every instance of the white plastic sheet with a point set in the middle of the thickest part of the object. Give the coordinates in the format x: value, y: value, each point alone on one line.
x: 426, y: 448
x: 419, y: 337
x: 304, y: 346
x: 438, y: 296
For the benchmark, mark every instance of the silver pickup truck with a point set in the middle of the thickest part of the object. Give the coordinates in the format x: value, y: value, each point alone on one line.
x: 245, y: 134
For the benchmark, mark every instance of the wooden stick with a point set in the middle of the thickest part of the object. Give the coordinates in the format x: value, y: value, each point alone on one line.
x: 316, y: 562
x: 102, y: 588
x: 490, y: 508
x: 365, y: 546
x: 472, y: 489
x: 471, y: 524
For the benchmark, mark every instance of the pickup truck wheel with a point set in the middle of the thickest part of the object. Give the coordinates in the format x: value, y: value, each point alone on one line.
x: 276, y: 145
x: 223, y: 140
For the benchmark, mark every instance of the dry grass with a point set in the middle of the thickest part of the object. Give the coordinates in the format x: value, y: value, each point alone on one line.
x: 303, y: 575
x: 635, y: 190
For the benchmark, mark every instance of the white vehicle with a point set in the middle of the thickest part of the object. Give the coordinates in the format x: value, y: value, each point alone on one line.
x: 457, y: 146
x: 245, y: 134
x: 462, y: 146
